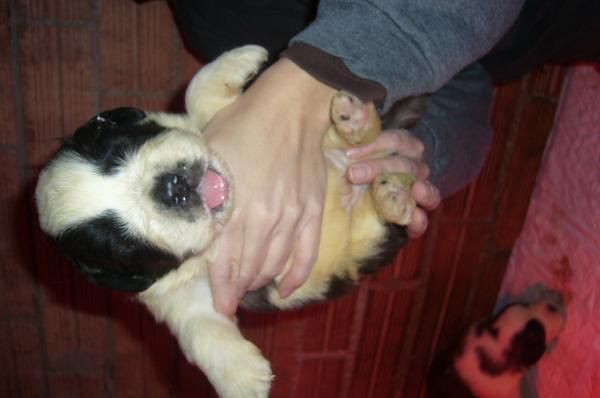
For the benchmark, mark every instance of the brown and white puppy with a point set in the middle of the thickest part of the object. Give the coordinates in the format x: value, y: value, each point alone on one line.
x: 137, y: 201
x: 493, y: 356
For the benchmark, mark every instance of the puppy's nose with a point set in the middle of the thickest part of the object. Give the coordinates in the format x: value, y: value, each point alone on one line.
x: 173, y: 190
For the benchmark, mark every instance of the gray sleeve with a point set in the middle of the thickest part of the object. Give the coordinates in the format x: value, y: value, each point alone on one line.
x: 410, y: 47
x: 455, y: 129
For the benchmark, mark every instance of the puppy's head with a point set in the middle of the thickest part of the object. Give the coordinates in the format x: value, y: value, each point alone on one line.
x: 130, y: 196
x: 495, y: 352
x: 517, y: 337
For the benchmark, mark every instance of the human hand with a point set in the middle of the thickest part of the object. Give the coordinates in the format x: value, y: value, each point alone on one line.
x: 271, y: 138
x: 397, y: 151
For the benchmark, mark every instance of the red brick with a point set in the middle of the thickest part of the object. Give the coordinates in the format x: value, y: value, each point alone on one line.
x: 16, y: 276
x: 41, y: 88
x: 21, y: 362
x: 119, y: 47
x: 157, y: 54
x: 36, y: 8
x: 66, y: 10
x: 8, y: 121
x: 523, y: 165
x: 77, y: 71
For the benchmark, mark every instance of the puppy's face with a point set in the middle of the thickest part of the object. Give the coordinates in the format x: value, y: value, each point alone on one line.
x: 130, y: 196
x: 491, y: 359
x: 517, y: 337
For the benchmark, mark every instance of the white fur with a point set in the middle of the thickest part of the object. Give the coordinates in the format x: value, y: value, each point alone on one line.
x: 182, y: 299
x: 72, y: 191
x: 214, y: 343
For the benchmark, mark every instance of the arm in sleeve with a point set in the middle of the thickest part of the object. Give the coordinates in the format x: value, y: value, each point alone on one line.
x: 455, y: 129
x: 405, y: 47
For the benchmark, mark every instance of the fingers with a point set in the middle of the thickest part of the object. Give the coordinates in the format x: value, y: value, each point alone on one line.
x: 397, y: 151
x: 426, y: 194
x: 223, y: 274
x: 241, y: 267
x: 279, y: 252
x: 427, y: 197
x: 392, y: 151
x: 305, y: 255
x: 364, y: 172
x: 418, y: 223
x: 390, y: 142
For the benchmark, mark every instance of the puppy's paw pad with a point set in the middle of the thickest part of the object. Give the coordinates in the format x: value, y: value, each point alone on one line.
x: 348, y: 113
x: 393, y: 200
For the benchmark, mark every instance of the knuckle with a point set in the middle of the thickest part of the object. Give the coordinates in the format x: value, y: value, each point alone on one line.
x: 395, y: 139
x: 264, y: 213
x: 402, y: 164
x: 418, y: 147
x: 293, y: 212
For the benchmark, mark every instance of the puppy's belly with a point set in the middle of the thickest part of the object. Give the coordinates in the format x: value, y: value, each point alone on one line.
x: 351, y: 233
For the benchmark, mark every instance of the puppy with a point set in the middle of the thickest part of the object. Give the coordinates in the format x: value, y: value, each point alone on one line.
x: 493, y: 356
x: 137, y: 201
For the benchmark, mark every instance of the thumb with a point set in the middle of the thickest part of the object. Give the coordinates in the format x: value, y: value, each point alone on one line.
x: 361, y: 173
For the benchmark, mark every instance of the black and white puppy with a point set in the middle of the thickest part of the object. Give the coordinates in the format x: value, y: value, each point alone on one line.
x: 137, y: 202
x: 491, y: 359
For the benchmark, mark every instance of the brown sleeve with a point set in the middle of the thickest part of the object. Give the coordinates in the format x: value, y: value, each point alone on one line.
x: 331, y: 70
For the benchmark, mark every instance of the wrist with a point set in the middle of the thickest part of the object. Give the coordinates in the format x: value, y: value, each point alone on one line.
x: 332, y: 71
x: 286, y: 89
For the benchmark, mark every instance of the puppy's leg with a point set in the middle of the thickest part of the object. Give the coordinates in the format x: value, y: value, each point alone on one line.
x: 219, y: 83
x: 355, y: 123
x: 358, y: 124
x: 234, y: 366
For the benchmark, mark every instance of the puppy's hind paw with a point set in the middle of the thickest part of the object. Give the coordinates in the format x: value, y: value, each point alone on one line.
x: 393, y: 200
x: 355, y: 122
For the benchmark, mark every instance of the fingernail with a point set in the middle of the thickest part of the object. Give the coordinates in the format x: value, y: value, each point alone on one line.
x: 283, y: 293
x: 359, y: 173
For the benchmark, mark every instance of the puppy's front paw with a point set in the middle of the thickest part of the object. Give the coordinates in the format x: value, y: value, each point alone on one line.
x: 242, y: 372
x: 241, y: 64
x: 355, y: 122
x: 393, y: 201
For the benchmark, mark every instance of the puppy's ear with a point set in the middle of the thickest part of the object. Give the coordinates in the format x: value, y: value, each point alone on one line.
x: 108, y: 256
x: 527, y: 346
x: 405, y: 113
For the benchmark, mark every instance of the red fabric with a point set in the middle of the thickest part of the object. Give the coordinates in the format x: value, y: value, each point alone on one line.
x: 560, y: 242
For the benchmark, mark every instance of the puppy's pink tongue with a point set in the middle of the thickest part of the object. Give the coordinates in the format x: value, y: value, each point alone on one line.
x: 213, y: 189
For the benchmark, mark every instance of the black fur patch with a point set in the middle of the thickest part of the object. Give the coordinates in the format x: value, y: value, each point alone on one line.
x: 339, y: 286
x: 396, y: 238
x: 258, y: 300
x: 527, y: 346
x: 106, y: 255
x: 108, y: 138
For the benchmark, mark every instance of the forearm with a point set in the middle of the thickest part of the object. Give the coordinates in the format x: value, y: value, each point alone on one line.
x: 404, y: 47
x: 455, y: 129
